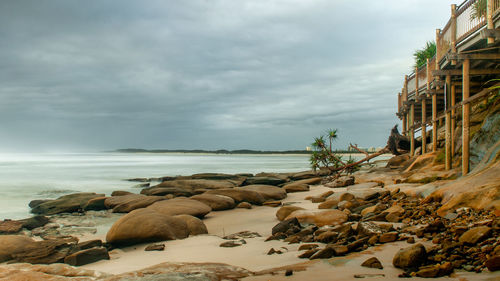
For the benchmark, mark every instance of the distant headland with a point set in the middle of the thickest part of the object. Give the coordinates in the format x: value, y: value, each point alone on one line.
x: 220, y: 151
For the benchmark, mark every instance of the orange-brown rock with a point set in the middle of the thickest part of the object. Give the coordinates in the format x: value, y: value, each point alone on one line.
x: 180, y: 206
x: 146, y: 225
x: 319, y: 217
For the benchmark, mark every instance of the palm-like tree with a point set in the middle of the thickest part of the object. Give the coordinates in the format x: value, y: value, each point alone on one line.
x: 332, y: 135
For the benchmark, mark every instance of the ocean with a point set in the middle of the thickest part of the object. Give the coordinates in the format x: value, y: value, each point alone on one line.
x: 25, y: 177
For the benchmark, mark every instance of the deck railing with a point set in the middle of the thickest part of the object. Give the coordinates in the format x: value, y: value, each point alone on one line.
x: 467, y: 23
x: 443, y: 44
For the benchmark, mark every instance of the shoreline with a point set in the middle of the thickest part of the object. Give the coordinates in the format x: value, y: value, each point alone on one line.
x: 253, y: 257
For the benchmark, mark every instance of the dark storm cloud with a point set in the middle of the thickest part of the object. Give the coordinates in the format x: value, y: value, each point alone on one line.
x: 204, y: 74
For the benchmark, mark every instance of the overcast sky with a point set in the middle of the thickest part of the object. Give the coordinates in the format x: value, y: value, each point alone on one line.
x: 209, y: 74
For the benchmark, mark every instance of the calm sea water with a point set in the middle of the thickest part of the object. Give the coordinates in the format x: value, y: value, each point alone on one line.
x: 24, y: 177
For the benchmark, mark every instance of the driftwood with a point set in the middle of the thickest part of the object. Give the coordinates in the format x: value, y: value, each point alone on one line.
x: 399, y: 144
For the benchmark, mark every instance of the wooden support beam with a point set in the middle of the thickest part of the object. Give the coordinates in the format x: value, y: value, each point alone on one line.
x: 453, y: 121
x: 404, y: 124
x: 412, y: 130
x: 448, y: 141
x: 434, y: 123
x: 465, y: 117
x: 458, y: 72
x: 489, y: 56
x: 447, y: 124
x: 424, y: 133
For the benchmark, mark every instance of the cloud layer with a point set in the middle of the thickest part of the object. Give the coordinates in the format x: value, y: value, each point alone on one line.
x: 255, y: 74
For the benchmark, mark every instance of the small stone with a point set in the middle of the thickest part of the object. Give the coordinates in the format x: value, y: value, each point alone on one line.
x: 411, y: 240
x: 325, y: 253
x: 288, y: 272
x: 373, y: 240
x: 410, y: 257
x: 493, y: 263
x: 231, y: 244
x: 369, y: 275
x: 388, y: 237
x: 244, y: 205
x: 308, y: 247
x: 155, y: 247
x: 307, y: 254
x: 372, y: 262
x: 273, y: 204
x: 475, y: 235
x: 340, y: 250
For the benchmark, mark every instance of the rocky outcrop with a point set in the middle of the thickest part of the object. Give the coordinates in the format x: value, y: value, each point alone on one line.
x: 46, y: 251
x: 216, y: 202
x: 56, y: 272
x: 187, y: 187
x: 65, y: 204
x: 264, y: 180
x: 186, y: 271
x: 13, y: 244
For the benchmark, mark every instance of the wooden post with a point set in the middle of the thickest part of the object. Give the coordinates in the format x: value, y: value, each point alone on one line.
x: 465, y: 116
x: 424, y: 133
x: 438, y: 44
x: 399, y: 102
x: 453, y: 31
x: 453, y: 121
x: 447, y: 124
x: 412, y: 129
x: 489, y: 19
x: 434, y: 122
x: 404, y: 124
x: 448, y: 141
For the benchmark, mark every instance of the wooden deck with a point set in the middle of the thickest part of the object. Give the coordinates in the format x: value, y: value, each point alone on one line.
x: 439, y: 94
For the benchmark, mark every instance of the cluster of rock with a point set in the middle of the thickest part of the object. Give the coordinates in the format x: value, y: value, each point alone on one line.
x: 21, y: 248
x: 366, y: 215
x: 173, y: 209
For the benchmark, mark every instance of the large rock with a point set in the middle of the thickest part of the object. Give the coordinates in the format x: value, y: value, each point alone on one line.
x: 95, y: 204
x: 194, y: 224
x: 181, y: 206
x: 34, y: 222
x: 410, y: 257
x: 269, y: 192
x: 13, y: 244
x: 46, y: 251
x: 319, y: 217
x: 130, y: 202
x: 475, y: 235
x: 51, y: 272
x: 240, y: 195
x: 146, y: 225
x: 186, y: 271
x: 65, y: 204
x: 216, y: 202
x: 284, y: 211
x: 341, y: 182
x: 175, y: 191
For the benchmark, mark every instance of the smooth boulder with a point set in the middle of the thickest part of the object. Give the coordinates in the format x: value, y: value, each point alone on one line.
x: 410, y: 257
x: 194, y: 224
x: 181, y: 206
x: 216, y: 202
x: 146, y: 225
